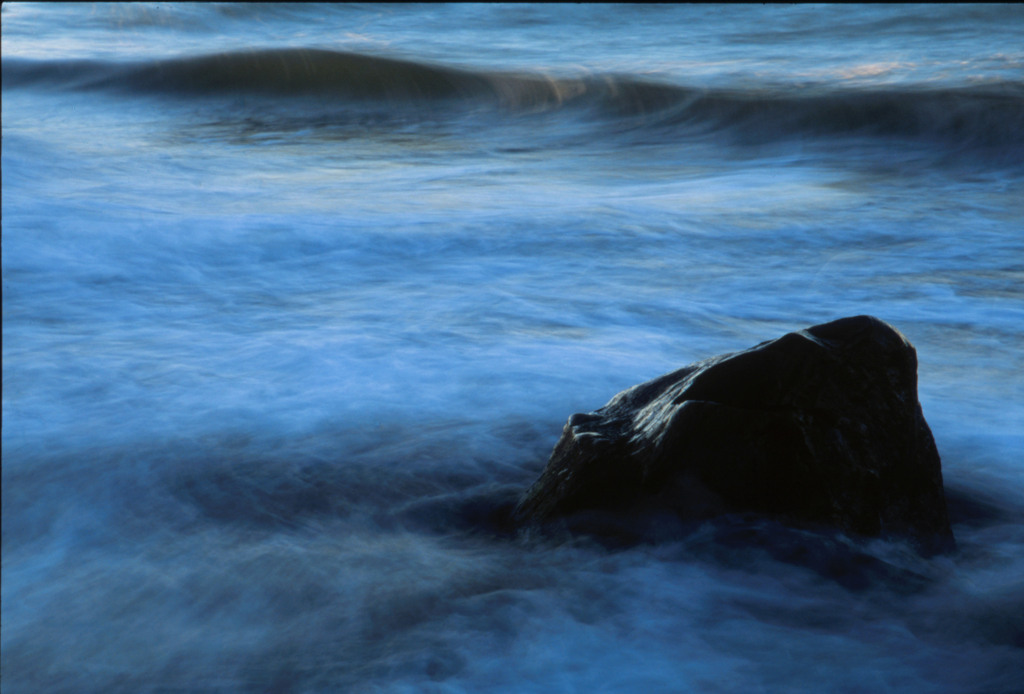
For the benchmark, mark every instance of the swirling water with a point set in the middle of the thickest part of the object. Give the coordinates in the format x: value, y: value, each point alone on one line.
x: 294, y: 295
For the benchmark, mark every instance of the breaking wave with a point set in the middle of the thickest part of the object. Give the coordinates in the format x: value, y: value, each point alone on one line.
x: 988, y: 115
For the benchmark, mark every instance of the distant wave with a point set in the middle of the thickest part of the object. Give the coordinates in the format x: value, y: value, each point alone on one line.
x: 989, y: 115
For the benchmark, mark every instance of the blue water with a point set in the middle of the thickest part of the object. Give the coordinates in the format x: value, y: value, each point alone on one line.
x: 295, y: 295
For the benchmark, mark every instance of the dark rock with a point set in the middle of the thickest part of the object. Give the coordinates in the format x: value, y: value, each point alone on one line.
x: 820, y: 427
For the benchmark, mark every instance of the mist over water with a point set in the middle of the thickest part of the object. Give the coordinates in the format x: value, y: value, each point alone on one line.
x: 296, y: 300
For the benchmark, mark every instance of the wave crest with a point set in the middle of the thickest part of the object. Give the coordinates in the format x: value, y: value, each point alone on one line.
x: 989, y: 114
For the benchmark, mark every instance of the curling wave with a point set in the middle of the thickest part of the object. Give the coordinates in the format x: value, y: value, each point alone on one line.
x: 985, y: 115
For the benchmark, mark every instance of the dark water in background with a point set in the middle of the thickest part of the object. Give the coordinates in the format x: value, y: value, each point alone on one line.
x: 293, y: 295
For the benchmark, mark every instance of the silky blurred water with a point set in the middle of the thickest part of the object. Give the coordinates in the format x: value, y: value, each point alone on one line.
x: 282, y: 328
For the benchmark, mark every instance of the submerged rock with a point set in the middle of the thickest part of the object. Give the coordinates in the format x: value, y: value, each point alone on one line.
x: 821, y: 427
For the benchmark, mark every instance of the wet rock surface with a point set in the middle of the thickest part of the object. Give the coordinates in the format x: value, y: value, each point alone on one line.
x: 820, y: 427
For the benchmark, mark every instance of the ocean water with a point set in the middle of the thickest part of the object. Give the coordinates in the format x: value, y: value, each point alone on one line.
x: 296, y: 298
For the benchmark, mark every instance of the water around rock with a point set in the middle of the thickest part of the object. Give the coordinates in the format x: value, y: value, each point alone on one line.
x: 821, y: 426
